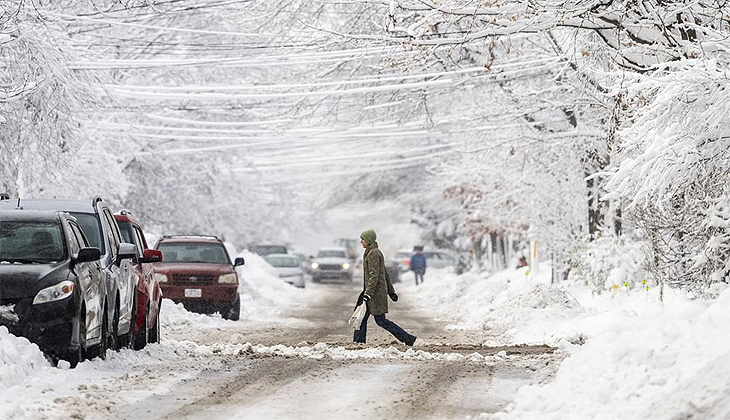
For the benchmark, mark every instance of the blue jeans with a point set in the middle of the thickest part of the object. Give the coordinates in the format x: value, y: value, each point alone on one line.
x: 390, y: 326
x: 417, y: 277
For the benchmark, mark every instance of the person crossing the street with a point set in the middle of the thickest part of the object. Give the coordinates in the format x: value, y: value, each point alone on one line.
x: 377, y: 287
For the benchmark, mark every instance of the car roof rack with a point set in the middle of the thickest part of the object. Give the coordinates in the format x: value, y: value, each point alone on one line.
x: 189, y: 236
x: 125, y: 212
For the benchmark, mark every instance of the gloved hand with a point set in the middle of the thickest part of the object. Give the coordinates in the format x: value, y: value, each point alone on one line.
x: 394, y: 297
x: 365, y: 297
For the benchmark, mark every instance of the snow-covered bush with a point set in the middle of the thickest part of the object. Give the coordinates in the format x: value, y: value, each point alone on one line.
x: 609, y: 262
x: 674, y: 172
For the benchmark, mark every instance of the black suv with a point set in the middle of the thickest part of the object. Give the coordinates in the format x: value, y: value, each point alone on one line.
x: 51, y: 291
x: 101, y: 230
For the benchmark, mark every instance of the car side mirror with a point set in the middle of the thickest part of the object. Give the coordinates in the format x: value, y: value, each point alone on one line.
x: 151, y: 256
x: 126, y: 252
x: 238, y: 262
x: 87, y: 255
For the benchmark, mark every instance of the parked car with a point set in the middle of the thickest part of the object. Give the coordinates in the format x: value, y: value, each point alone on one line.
x: 304, y: 262
x: 439, y: 259
x: 197, y: 272
x: 391, y: 266
x: 332, y: 264
x: 288, y: 267
x: 393, y: 269
x: 266, y: 249
x: 148, y: 298
x: 101, y: 230
x: 51, y: 287
x: 403, y: 257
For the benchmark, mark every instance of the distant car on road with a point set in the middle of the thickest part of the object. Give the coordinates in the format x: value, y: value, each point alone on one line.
x: 197, y: 271
x: 51, y: 287
x: 439, y: 259
x: 391, y: 266
x: 148, y: 300
x: 266, y: 249
x: 288, y: 267
x: 332, y: 264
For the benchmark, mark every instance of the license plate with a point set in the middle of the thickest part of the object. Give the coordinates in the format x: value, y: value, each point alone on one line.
x: 194, y: 293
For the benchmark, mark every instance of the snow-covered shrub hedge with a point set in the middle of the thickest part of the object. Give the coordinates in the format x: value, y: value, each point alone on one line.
x: 609, y: 262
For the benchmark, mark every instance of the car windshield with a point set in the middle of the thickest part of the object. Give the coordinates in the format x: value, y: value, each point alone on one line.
x: 331, y: 253
x: 31, y: 242
x: 193, y: 252
x: 267, y: 249
x: 92, y: 229
x: 283, y: 261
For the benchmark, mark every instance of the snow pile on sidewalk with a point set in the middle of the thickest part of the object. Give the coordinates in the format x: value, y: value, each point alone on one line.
x: 511, y: 306
x: 19, y: 359
x: 671, y: 362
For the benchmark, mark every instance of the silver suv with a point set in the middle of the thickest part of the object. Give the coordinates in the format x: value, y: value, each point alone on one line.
x: 332, y: 264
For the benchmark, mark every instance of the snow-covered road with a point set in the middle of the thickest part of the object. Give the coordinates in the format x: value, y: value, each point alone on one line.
x: 297, y: 365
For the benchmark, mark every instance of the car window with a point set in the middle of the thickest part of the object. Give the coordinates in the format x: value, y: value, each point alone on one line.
x: 91, y: 226
x: 31, y: 241
x: 140, y: 237
x: 283, y: 261
x: 79, y: 233
x: 73, y: 240
x: 113, y: 226
x: 111, y: 239
x: 130, y: 236
x: 330, y: 253
x: 193, y: 252
x: 125, y: 228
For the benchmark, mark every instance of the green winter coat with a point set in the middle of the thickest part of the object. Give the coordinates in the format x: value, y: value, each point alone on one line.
x: 376, y: 282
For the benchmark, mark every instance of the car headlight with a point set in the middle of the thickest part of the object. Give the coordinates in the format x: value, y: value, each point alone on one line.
x: 58, y: 291
x: 315, y: 266
x: 160, y: 278
x: 346, y: 266
x: 228, y: 278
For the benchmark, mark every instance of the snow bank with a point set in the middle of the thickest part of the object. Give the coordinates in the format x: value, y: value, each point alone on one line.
x: 19, y: 358
x: 667, y: 363
x: 513, y: 306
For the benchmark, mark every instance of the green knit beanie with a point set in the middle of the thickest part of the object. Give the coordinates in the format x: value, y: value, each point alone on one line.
x: 369, y: 236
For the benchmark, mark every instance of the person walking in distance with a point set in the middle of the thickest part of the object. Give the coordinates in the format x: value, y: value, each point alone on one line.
x: 376, y: 289
x: 418, y: 263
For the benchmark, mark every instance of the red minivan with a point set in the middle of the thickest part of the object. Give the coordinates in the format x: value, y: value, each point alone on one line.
x: 198, y: 272
x: 148, y: 299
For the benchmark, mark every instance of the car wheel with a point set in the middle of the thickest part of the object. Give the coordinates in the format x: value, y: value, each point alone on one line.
x: 77, y: 356
x: 114, y: 335
x: 101, y: 350
x: 140, y: 339
x: 234, y: 313
x: 154, y: 336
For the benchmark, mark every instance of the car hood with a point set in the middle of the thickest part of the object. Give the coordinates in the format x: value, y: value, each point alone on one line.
x: 193, y: 268
x: 332, y: 260
x: 25, y: 280
x: 288, y: 271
